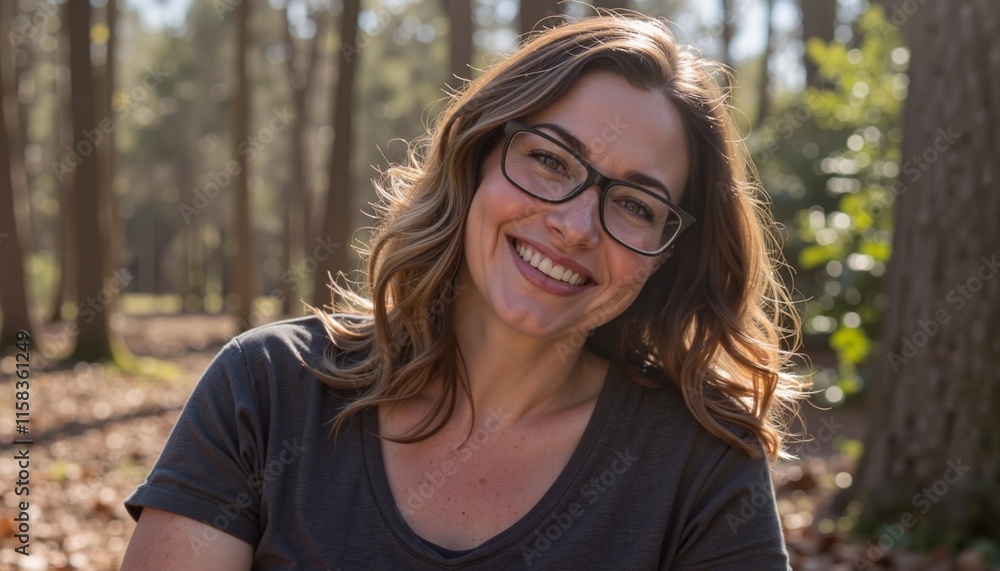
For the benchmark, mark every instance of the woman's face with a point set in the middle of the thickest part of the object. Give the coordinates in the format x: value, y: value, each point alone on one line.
x: 516, y: 246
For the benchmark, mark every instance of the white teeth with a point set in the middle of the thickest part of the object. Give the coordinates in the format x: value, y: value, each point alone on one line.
x: 547, y: 266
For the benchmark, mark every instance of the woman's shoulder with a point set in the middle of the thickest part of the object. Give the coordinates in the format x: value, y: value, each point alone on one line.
x: 307, y: 337
x: 304, y: 333
x: 662, y: 405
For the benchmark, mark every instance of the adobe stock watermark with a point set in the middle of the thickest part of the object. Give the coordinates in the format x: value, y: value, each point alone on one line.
x: 898, y: 14
x: 402, y: 340
x: 923, y: 501
x: 32, y: 27
x: 380, y: 15
x: 250, y: 148
x: 733, y: 11
x: 580, y: 332
x: 89, y: 308
x: 434, y: 480
x: 121, y: 107
x: 759, y: 497
x: 915, y: 167
x: 784, y: 127
x: 231, y: 511
x: 957, y: 297
x: 293, y: 278
x: 590, y: 492
x: 761, y: 491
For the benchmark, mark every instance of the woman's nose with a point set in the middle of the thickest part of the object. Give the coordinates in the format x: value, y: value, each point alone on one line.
x: 577, y: 221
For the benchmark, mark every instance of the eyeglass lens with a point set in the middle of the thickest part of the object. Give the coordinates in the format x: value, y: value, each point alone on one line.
x: 640, y: 219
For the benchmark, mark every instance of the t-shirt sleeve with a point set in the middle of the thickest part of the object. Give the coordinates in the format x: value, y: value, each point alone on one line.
x: 735, y: 523
x: 209, y: 468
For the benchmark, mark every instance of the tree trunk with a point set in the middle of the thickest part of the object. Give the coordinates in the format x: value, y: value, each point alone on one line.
x: 728, y: 19
x: 302, y: 72
x: 63, y: 133
x: 932, y: 458
x: 338, y: 195
x: 243, y: 259
x: 535, y: 15
x: 15, y: 242
x: 763, y: 97
x: 93, y: 341
x: 459, y: 40
x: 818, y: 20
x: 111, y: 220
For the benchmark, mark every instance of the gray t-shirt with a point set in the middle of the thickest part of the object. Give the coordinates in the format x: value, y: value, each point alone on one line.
x: 252, y: 456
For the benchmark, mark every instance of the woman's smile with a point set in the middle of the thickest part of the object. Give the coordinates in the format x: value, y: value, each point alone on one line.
x: 545, y: 269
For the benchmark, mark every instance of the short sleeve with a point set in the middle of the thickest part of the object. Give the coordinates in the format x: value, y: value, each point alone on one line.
x: 209, y: 468
x: 735, y: 523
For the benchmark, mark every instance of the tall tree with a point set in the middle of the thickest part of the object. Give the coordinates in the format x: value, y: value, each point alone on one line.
x: 14, y: 216
x: 243, y: 259
x: 763, y: 97
x: 539, y: 13
x: 336, y: 226
x: 932, y: 459
x: 108, y: 154
x: 302, y: 73
x: 65, y: 291
x: 459, y: 40
x: 93, y: 339
x: 728, y: 21
x: 819, y: 17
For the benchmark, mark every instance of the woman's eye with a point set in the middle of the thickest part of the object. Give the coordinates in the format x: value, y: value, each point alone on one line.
x: 550, y: 162
x: 638, y: 209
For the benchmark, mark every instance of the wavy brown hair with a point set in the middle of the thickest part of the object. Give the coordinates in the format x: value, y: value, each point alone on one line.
x: 711, y: 320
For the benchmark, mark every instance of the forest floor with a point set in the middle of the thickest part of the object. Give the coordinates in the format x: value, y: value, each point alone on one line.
x: 97, y: 431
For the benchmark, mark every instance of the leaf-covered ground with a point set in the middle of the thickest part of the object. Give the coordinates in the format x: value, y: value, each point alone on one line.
x: 97, y: 431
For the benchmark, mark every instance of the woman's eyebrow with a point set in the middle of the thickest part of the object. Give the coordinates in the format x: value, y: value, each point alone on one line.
x: 632, y: 176
x: 575, y: 144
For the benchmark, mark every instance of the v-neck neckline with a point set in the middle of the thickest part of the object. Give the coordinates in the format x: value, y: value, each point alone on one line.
x: 418, y: 546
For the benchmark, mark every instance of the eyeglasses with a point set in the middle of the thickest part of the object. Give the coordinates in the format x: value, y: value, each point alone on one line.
x: 641, y: 219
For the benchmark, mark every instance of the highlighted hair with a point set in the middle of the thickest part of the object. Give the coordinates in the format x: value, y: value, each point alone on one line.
x: 712, y: 319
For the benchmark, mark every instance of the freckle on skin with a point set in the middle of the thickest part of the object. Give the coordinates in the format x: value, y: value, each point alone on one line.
x: 482, y: 480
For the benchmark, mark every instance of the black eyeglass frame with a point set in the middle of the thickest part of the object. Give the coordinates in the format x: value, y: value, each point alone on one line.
x: 594, y: 177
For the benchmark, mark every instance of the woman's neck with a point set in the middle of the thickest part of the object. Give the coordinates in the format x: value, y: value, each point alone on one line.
x: 525, y: 376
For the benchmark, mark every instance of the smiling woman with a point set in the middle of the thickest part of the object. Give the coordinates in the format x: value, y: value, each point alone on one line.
x: 567, y: 353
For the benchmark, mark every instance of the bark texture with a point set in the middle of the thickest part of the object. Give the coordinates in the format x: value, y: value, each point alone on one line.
x: 93, y: 342
x: 244, y: 260
x: 336, y: 226
x: 14, y: 230
x: 933, y: 448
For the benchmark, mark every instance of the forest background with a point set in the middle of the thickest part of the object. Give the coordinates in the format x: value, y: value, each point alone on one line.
x: 175, y: 171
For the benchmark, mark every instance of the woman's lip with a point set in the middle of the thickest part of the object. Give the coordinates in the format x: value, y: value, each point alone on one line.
x: 542, y: 281
x: 556, y: 258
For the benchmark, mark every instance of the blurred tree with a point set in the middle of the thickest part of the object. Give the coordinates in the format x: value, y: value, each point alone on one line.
x: 818, y: 20
x: 538, y: 13
x: 459, y: 40
x: 845, y: 234
x: 763, y: 85
x: 336, y: 227
x: 62, y: 133
x: 107, y: 153
x: 243, y: 261
x: 15, y: 313
x: 93, y: 341
x: 728, y: 19
x: 934, y: 452
x: 611, y: 4
x: 302, y: 67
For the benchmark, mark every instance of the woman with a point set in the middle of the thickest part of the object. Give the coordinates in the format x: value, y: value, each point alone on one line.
x: 567, y: 355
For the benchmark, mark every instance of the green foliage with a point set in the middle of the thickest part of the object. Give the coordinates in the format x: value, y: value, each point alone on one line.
x: 848, y: 135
